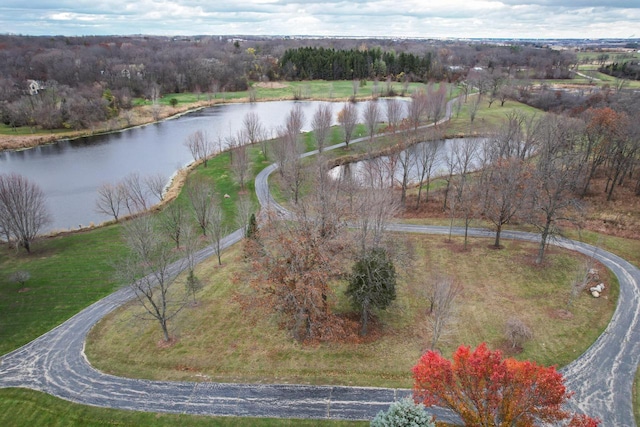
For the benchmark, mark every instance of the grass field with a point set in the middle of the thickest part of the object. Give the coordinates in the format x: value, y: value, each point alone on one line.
x: 249, y: 346
x: 636, y: 396
x: 28, y: 408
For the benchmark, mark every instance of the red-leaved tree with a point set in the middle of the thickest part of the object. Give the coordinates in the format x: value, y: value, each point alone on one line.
x: 486, y: 390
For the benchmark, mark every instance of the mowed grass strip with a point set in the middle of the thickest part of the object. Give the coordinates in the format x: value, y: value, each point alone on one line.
x: 228, y: 336
x: 28, y: 408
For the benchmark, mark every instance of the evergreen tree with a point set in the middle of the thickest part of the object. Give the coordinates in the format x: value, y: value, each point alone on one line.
x: 372, y: 284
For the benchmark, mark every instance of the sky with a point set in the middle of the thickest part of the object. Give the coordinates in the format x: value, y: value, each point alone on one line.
x: 361, y: 18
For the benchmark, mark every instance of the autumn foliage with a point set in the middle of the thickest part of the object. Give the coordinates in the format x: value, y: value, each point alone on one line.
x: 485, y: 389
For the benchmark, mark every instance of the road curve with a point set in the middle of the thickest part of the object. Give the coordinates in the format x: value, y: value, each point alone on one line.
x: 55, y: 363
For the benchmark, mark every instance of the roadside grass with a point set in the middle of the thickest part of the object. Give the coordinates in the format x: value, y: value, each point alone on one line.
x: 28, y: 408
x: 68, y: 273
x: 230, y: 337
x: 636, y: 396
x: 626, y: 248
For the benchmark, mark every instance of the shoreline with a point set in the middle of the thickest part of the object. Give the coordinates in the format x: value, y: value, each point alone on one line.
x: 144, y: 117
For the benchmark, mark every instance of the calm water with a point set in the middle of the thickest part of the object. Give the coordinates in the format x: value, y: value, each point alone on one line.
x: 69, y: 172
x: 385, y: 171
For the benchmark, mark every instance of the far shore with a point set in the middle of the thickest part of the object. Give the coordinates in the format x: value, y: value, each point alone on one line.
x: 138, y: 116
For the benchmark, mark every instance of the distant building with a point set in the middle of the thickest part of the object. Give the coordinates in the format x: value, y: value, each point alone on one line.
x: 34, y: 86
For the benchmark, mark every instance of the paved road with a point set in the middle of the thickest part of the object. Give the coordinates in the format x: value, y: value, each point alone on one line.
x: 56, y: 364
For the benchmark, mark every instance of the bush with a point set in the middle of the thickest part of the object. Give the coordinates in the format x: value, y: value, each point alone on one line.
x: 402, y: 413
x: 517, y: 332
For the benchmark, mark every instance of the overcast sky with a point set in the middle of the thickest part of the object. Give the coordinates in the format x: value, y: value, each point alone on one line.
x: 376, y: 18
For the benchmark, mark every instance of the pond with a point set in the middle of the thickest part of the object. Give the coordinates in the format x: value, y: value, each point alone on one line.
x: 70, y: 171
x: 388, y: 171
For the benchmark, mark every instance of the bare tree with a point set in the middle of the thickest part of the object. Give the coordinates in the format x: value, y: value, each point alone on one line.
x: 506, y: 192
x: 405, y: 159
x: 371, y: 117
x: 324, y: 204
x: 173, y: 222
x: 240, y: 160
x: 147, y: 269
x: 155, y: 185
x: 555, y: 179
x: 427, y: 155
x: 437, y: 101
x: 464, y: 153
x: 473, y: 107
x: 516, y: 137
x: 200, y: 194
x: 375, y: 207
x: 253, y: 129
x: 295, y: 121
x: 23, y: 210
x: 441, y: 295
x: 394, y: 113
x: 218, y: 230
x: 135, y: 193
x: 110, y: 200
x: 417, y: 109
x: 348, y: 118
x: 288, y: 150
x: 321, y: 124
x: 244, y: 209
x: 200, y: 146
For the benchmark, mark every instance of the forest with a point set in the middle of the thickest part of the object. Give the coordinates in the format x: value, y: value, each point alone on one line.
x: 75, y: 82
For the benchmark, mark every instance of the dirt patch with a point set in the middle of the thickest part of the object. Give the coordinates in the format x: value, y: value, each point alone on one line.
x: 162, y: 344
x: 271, y: 85
x: 561, y: 314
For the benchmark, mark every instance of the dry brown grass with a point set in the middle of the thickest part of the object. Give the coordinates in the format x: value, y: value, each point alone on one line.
x: 219, y: 340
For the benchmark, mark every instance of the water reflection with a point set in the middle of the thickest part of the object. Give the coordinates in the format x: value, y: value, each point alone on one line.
x: 422, y: 160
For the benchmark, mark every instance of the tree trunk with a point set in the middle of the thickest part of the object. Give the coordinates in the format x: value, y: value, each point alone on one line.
x: 365, y: 317
x: 496, y: 244
x: 165, y: 329
x: 543, y: 241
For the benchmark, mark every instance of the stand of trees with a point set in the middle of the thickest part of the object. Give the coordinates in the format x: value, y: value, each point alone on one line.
x: 307, y: 63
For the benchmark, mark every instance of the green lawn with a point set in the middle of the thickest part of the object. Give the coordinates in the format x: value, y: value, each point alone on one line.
x: 250, y: 347
x: 28, y: 408
x: 68, y: 273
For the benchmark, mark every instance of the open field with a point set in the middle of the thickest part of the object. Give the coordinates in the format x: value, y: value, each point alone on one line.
x: 228, y: 338
x: 28, y: 408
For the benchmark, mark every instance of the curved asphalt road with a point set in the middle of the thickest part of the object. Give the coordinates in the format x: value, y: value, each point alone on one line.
x: 56, y: 364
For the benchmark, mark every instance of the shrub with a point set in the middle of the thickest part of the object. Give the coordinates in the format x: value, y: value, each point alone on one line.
x: 403, y: 413
x: 517, y: 332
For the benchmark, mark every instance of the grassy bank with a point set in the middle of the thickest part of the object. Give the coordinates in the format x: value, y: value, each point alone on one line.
x: 250, y: 347
x: 28, y: 408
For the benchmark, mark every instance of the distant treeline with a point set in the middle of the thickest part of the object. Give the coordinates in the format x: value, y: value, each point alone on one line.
x: 307, y: 63
x: 626, y: 70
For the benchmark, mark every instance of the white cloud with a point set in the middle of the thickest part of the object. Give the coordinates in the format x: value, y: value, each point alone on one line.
x: 413, y: 18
